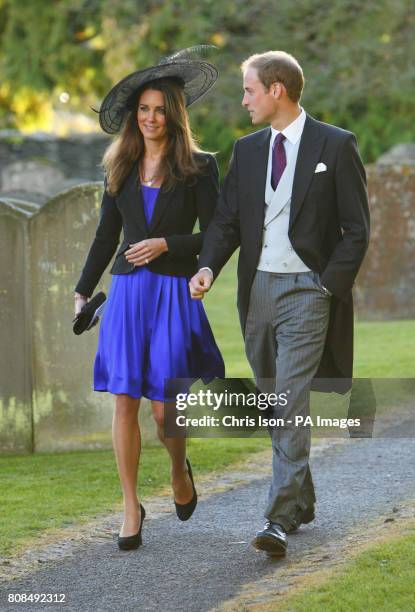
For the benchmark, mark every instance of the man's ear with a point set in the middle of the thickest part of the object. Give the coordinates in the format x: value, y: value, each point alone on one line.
x: 277, y: 89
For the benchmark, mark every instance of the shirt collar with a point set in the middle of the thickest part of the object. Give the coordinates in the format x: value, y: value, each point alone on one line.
x: 293, y: 131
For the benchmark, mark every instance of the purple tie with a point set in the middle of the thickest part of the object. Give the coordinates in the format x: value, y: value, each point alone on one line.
x: 279, y: 160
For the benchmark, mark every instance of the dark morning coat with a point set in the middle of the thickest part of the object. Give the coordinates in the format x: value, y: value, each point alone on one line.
x: 328, y: 228
x: 174, y: 217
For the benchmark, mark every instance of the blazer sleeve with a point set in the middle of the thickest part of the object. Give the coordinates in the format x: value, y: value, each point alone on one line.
x: 104, y: 245
x: 353, y: 214
x: 206, y: 199
x: 223, y: 235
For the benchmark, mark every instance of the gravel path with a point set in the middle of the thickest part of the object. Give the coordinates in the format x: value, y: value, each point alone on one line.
x: 201, y: 564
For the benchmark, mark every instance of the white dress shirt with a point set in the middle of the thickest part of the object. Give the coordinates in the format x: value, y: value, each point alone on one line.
x: 277, y: 253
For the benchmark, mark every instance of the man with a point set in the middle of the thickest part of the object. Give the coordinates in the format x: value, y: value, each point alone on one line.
x: 295, y: 202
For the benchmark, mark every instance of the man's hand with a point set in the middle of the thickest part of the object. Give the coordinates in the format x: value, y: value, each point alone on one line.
x: 141, y: 253
x: 200, y: 283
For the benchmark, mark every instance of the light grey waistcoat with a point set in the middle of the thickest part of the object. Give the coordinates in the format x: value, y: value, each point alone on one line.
x: 277, y: 254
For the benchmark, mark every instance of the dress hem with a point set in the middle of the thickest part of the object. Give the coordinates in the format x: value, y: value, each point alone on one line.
x: 152, y: 399
x: 205, y: 379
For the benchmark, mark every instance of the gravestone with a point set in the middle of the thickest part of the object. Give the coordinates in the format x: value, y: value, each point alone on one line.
x: 46, y: 397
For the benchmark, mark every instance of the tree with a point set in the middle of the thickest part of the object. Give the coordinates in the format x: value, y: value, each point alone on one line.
x: 357, y: 58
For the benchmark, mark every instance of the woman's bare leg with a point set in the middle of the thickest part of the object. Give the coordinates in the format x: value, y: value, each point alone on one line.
x: 176, y: 447
x: 126, y: 440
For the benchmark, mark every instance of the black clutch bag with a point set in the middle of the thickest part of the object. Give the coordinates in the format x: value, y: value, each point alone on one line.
x: 90, y: 313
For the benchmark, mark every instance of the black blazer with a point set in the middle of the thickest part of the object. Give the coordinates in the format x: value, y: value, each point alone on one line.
x: 174, y: 218
x: 328, y: 227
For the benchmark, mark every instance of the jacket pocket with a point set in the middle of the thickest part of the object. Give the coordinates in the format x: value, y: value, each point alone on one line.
x: 316, y: 279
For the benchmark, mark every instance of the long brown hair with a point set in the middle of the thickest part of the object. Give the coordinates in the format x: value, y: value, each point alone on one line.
x: 128, y: 148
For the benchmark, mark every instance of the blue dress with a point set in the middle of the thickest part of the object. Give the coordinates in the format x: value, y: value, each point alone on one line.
x: 152, y: 330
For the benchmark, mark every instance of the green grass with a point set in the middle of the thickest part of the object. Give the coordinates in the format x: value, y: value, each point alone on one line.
x: 379, y: 580
x: 49, y: 490
x: 384, y: 349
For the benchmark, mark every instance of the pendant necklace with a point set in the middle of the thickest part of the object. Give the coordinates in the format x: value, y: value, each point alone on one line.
x: 147, y: 181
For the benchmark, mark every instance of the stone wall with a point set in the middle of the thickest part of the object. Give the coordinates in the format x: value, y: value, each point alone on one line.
x: 385, y: 287
x: 43, y: 165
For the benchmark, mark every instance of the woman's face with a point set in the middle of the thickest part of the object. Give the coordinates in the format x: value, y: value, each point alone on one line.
x: 151, y: 115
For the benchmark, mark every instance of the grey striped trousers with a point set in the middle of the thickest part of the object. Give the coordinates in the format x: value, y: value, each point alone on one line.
x: 284, y: 339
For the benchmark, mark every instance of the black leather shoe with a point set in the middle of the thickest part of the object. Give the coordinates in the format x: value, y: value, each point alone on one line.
x: 185, y: 511
x: 302, y: 519
x: 134, y: 541
x: 271, y: 539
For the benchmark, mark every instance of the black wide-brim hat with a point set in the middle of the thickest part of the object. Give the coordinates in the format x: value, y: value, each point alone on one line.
x: 196, y: 75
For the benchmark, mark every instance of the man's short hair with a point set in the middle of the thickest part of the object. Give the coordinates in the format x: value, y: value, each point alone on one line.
x: 277, y: 66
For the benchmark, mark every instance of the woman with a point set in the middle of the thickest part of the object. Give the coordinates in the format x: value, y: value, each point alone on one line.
x: 157, y: 184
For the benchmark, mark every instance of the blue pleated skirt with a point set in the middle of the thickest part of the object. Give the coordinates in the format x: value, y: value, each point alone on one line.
x: 152, y: 330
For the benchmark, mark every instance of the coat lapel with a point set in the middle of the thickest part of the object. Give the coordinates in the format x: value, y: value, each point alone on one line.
x: 309, y: 152
x: 162, y: 201
x: 259, y: 177
x: 131, y: 193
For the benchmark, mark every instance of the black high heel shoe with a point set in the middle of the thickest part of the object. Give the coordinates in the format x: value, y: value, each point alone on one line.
x: 185, y: 511
x: 134, y: 541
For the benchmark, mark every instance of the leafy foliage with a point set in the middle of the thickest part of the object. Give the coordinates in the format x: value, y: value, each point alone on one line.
x: 357, y: 58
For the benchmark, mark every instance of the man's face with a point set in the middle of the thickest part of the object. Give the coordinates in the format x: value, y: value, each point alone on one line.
x: 260, y: 103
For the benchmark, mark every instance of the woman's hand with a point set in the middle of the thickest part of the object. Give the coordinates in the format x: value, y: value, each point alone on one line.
x: 80, y: 301
x: 141, y: 253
